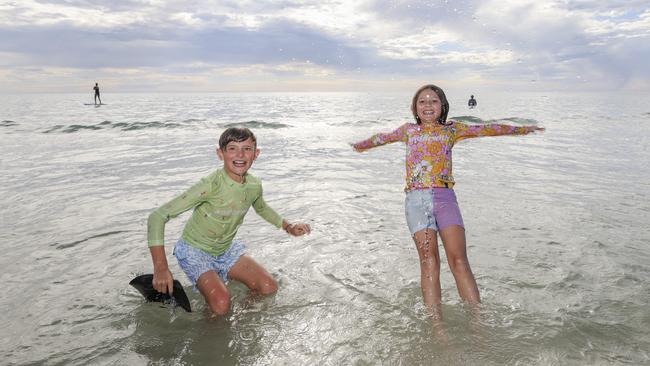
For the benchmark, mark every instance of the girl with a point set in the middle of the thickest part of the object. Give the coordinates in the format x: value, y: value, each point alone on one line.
x: 431, y: 206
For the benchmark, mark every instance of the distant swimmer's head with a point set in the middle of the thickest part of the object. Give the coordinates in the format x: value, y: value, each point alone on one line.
x: 238, y: 150
x: 430, y: 105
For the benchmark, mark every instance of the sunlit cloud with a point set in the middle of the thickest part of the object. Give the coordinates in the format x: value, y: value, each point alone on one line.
x: 329, y: 42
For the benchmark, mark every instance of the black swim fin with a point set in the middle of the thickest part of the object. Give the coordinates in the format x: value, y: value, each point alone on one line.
x: 143, y: 284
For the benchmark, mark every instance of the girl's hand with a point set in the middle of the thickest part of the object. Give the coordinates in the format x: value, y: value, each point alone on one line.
x: 535, y: 129
x: 298, y: 229
x: 354, y: 146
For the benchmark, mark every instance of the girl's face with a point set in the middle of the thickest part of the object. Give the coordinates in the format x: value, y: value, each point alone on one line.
x: 428, y: 106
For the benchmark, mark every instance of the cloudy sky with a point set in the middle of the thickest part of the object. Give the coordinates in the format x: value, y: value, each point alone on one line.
x: 324, y: 45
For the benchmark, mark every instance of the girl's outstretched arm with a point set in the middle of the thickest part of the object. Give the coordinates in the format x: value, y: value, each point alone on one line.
x: 464, y: 131
x: 381, y: 139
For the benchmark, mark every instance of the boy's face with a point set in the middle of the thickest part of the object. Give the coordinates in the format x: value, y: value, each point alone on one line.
x: 238, y: 157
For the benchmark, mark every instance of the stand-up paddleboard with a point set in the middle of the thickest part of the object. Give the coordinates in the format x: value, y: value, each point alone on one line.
x: 143, y: 284
x: 95, y: 104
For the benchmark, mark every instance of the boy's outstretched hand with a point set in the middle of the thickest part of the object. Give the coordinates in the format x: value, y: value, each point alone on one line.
x: 297, y: 229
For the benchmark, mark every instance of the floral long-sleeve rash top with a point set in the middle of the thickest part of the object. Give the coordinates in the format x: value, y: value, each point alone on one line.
x: 428, y: 154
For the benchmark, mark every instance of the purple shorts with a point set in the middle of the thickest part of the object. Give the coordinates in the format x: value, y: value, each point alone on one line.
x: 434, y: 208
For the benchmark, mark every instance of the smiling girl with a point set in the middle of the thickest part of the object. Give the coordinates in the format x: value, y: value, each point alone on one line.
x: 431, y: 207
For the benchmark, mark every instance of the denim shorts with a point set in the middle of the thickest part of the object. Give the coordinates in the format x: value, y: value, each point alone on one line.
x: 196, y: 262
x: 434, y: 208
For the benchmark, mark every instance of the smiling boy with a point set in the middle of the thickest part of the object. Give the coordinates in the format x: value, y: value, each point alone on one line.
x: 207, y: 251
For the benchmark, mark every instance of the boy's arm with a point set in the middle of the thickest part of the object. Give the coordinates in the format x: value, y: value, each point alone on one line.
x: 381, y: 139
x: 184, y: 202
x: 268, y: 214
x: 464, y: 131
x: 297, y: 229
x: 163, y: 280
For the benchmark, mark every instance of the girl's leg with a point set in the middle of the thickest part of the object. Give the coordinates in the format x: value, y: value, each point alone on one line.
x: 215, y: 292
x: 426, y: 242
x: 453, y: 239
x: 254, y: 276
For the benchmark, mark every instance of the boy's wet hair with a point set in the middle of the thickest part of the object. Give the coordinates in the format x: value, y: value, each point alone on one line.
x: 237, y: 134
x: 443, y: 101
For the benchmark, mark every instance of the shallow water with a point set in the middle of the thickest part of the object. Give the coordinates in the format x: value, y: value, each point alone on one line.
x: 557, y: 227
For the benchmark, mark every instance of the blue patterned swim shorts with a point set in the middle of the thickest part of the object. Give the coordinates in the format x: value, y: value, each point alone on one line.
x: 196, y: 262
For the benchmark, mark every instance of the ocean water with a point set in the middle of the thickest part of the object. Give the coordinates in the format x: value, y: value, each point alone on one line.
x: 557, y: 230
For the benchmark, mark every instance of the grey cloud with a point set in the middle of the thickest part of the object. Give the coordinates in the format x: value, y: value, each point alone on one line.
x: 606, y: 6
x: 160, y: 9
x: 422, y: 12
x: 144, y: 47
x: 545, y: 47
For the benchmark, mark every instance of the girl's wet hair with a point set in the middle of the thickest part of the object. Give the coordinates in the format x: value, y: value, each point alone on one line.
x: 443, y: 101
x: 237, y: 134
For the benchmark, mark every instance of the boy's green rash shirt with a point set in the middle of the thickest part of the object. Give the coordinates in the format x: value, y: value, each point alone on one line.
x: 220, y: 205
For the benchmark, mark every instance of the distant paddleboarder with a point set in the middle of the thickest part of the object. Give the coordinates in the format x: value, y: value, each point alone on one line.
x: 471, y: 102
x: 97, y: 97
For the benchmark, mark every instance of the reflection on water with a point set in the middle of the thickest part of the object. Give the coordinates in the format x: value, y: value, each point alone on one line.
x: 556, y: 230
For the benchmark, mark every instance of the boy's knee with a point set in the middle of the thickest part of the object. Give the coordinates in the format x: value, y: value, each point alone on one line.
x: 268, y: 286
x: 220, y: 305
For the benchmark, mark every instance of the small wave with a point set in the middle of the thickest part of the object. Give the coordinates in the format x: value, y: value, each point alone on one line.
x: 509, y: 120
x: 8, y: 123
x: 72, y: 128
x: 517, y: 120
x: 257, y: 124
x: 143, y: 125
x: 124, y: 126
x: 70, y: 245
x: 467, y: 119
x: 193, y: 120
x: 363, y: 122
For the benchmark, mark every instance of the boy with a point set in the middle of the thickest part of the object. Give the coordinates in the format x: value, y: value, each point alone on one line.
x: 206, y: 251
